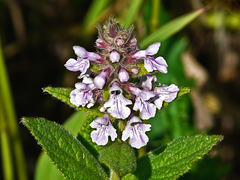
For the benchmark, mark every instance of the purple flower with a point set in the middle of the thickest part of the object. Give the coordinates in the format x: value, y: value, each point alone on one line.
x: 83, y: 61
x: 123, y: 75
x: 151, y: 63
x: 83, y: 95
x: 82, y: 53
x: 100, y: 80
x: 148, y: 81
x: 104, y: 129
x: 135, y: 130
x: 114, y: 56
x: 118, y: 103
x: 78, y: 65
x: 165, y: 93
x: 142, y: 103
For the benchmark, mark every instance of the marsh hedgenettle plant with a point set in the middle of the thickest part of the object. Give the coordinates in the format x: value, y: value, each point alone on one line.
x: 117, y: 93
x: 133, y: 96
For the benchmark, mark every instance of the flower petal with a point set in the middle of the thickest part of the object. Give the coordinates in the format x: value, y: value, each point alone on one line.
x: 140, y: 54
x: 80, y: 51
x: 160, y: 64
x: 153, y: 49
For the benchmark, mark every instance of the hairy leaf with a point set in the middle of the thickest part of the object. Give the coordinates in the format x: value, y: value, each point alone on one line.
x: 66, y: 152
x: 120, y: 157
x: 45, y: 168
x: 176, y: 159
x: 63, y: 94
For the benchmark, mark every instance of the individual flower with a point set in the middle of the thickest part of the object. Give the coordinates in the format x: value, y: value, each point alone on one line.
x: 143, y: 102
x: 80, y: 64
x: 151, y: 63
x: 117, y: 103
x: 83, y: 94
x: 148, y: 81
x: 104, y: 129
x: 114, y: 56
x: 123, y: 75
x: 165, y: 93
x: 135, y: 130
x: 83, y: 61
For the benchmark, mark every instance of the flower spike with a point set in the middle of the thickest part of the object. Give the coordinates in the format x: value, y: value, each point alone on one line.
x: 112, y: 81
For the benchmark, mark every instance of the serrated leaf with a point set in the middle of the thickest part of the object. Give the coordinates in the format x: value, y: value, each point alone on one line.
x: 171, y: 28
x: 45, y: 168
x: 176, y: 159
x: 120, y: 157
x: 66, y: 152
x: 182, y: 91
x: 63, y: 94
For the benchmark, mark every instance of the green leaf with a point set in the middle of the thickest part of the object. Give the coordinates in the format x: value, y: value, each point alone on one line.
x: 176, y: 159
x: 63, y: 94
x: 171, y: 28
x: 45, y: 168
x: 119, y: 157
x: 66, y: 152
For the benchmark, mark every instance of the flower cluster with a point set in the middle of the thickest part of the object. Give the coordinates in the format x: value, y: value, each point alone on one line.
x: 111, y: 79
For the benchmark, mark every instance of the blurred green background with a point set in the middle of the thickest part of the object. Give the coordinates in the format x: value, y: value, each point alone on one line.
x: 37, y: 39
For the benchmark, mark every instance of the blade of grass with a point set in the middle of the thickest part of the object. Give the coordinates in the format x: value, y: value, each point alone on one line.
x: 154, y: 22
x: 5, y: 148
x: 95, y: 9
x: 132, y: 13
x: 11, y: 121
x: 171, y: 28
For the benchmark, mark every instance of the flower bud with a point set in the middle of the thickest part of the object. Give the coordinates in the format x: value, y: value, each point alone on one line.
x: 114, y: 56
x: 123, y: 75
x: 135, y: 70
x: 100, y: 80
